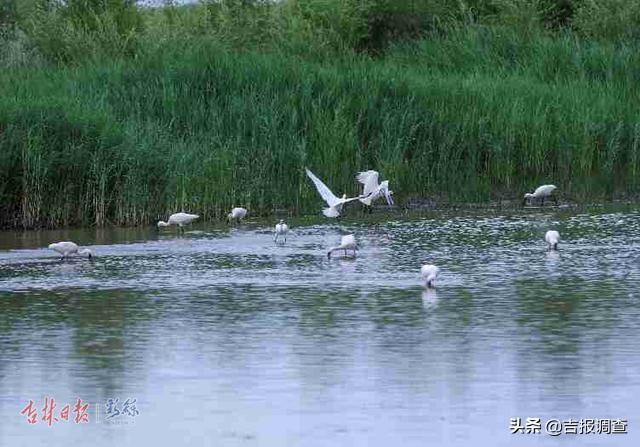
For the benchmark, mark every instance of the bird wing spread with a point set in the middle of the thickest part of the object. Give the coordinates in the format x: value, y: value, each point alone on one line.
x: 330, y: 212
x: 370, y: 181
x: 324, y: 191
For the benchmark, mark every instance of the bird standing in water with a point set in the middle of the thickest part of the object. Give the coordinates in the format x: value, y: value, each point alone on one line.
x: 67, y: 248
x: 281, y: 230
x: 552, y: 238
x: 429, y: 274
x: 237, y: 214
x: 347, y: 242
x: 179, y: 219
x: 541, y: 193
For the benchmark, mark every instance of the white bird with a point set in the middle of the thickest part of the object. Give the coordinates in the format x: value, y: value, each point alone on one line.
x: 237, y: 214
x: 552, y: 237
x: 429, y: 274
x: 541, y: 193
x: 348, y: 242
x: 69, y: 248
x: 179, y: 219
x: 335, y: 204
x: 281, y: 230
x: 372, y: 190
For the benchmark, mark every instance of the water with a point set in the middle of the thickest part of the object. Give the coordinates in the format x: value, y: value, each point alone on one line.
x: 226, y: 339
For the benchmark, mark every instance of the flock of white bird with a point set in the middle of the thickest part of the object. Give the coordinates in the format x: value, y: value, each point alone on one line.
x: 372, y: 191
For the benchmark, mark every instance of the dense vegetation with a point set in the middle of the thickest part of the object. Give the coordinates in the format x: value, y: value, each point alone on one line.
x: 115, y: 113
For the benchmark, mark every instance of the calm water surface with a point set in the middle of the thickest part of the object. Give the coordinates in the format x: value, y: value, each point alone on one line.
x: 226, y: 339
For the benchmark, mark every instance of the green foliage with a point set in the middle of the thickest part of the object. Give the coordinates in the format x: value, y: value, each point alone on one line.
x: 8, y: 14
x: 472, y: 115
x: 608, y: 19
x: 111, y: 114
x: 82, y: 29
x: 59, y: 162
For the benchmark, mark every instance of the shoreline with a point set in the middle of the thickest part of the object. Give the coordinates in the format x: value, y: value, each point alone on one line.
x: 411, y: 210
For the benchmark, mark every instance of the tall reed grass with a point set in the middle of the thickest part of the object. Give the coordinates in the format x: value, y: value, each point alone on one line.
x: 187, y: 119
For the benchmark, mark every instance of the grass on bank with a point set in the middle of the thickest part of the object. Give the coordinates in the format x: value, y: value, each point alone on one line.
x: 191, y: 120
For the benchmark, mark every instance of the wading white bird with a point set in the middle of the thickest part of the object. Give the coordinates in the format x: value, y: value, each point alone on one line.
x: 335, y: 204
x: 70, y: 248
x: 552, y: 237
x: 281, y: 230
x: 372, y: 190
x: 429, y: 274
x: 541, y: 193
x: 179, y: 219
x: 348, y: 242
x: 237, y: 214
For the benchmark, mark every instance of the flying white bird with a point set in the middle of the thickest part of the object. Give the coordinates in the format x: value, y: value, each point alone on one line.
x: 281, y: 230
x: 541, y: 193
x: 335, y: 204
x: 179, y: 219
x: 552, y: 238
x: 69, y: 248
x: 348, y: 242
x: 372, y: 190
x: 237, y: 214
x: 429, y: 274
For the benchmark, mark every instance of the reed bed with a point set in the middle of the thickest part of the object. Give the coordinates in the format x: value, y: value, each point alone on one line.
x: 189, y: 120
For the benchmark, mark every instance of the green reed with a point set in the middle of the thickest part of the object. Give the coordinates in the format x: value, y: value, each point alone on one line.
x: 194, y: 123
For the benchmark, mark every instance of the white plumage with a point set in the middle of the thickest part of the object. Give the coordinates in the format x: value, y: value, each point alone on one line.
x: 541, y: 193
x: 552, y: 237
x: 429, y: 274
x: 67, y: 248
x: 347, y: 242
x: 237, y: 214
x: 372, y: 190
x: 335, y: 204
x: 179, y: 219
x: 281, y: 230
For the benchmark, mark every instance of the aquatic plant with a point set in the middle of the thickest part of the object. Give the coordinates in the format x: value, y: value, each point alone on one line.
x: 186, y: 118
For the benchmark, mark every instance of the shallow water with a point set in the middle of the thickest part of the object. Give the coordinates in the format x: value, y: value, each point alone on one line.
x: 224, y: 338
